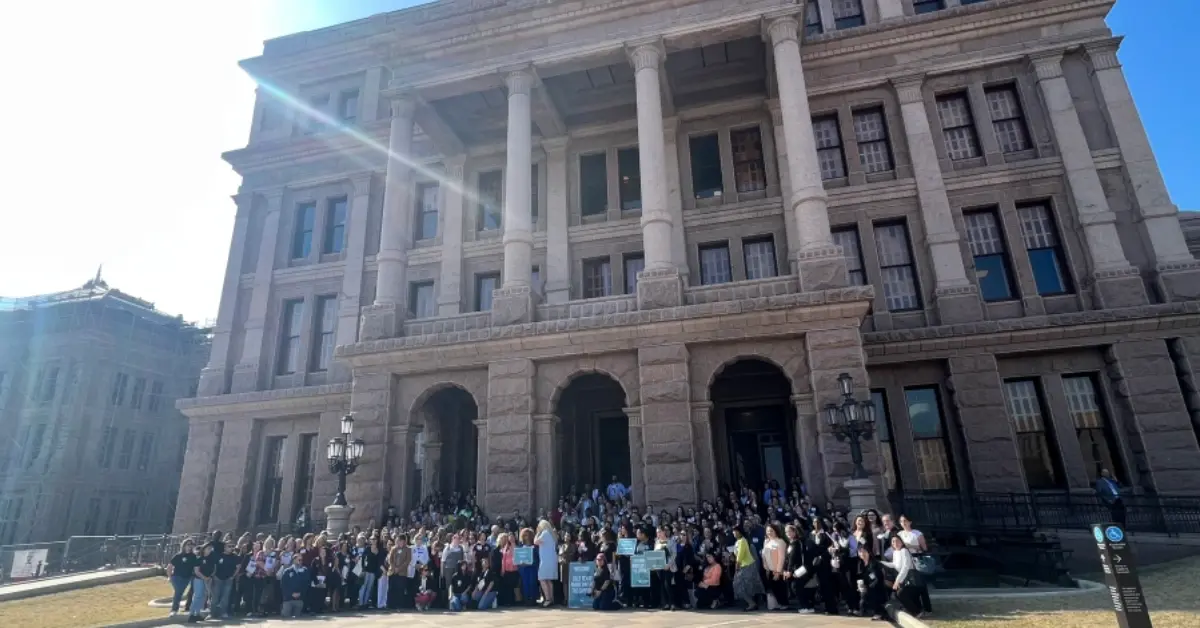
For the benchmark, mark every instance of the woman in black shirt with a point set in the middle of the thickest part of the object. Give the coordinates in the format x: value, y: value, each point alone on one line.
x: 603, y: 595
x: 181, y: 571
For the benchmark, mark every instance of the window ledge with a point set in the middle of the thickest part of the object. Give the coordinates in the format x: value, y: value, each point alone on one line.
x: 738, y: 290
x: 613, y: 304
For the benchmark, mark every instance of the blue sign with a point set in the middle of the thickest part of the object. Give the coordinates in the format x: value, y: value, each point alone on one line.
x: 523, y: 556
x: 1098, y: 534
x: 626, y: 547
x: 656, y: 559
x: 580, y: 585
x: 639, y: 572
x: 1114, y: 534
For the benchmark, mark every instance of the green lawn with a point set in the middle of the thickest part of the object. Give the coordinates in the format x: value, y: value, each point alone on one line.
x: 83, y: 608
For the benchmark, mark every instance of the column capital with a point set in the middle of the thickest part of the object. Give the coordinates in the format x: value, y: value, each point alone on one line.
x: 555, y: 146
x: 670, y: 127
x: 1103, y: 54
x: 1047, y: 65
x: 634, y: 414
x: 403, y: 103
x: 782, y: 28
x: 519, y: 80
x: 454, y: 167
x: 361, y: 182
x: 908, y: 88
x: 480, y: 424
x: 546, y: 418
x: 646, y: 53
x: 273, y: 196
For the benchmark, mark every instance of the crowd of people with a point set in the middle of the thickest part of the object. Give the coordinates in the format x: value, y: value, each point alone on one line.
x: 770, y: 547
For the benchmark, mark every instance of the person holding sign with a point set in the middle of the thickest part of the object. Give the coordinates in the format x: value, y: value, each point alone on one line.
x: 603, y: 594
x: 626, y: 547
x: 664, y: 570
x: 527, y: 567
x: 547, y: 572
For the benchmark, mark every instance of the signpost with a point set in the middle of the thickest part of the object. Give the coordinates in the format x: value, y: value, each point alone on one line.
x: 580, y: 585
x: 639, y: 572
x: 523, y: 556
x: 626, y: 547
x: 1120, y: 573
x: 27, y: 564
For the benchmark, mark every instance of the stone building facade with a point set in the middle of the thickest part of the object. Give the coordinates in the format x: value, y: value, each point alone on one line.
x: 93, y: 442
x: 532, y: 244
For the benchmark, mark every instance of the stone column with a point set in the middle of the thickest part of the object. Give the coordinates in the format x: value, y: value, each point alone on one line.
x: 481, y: 456
x: 196, y: 481
x: 637, y: 456
x: 659, y: 285
x: 401, y: 445
x: 545, y: 433
x: 1178, y: 271
x: 785, y: 183
x: 385, y: 318
x: 667, y: 437
x: 675, y: 197
x: 450, y: 192
x: 808, y: 445
x: 431, y: 472
x: 214, y: 378
x: 832, y: 352
x: 246, y: 375
x: 702, y: 450
x: 235, y: 471
x: 369, y: 105
x: 352, y: 275
x: 890, y: 9
x: 383, y: 473
x: 819, y: 263
x: 957, y: 296
x: 558, y: 258
x: 987, y: 429
x: 1117, y: 283
x: 509, y: 462
x: 514, y: 302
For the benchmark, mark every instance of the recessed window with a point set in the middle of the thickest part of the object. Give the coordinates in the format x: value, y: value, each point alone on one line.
x: 927, y: 6
x: 749, y: 170
x: 958, y: 126
x: 1097, y: 440
x: 829, y: 147
x: 491, y: 186
x: 139, y: 392
x: 1035, y: 434
x: 706, y: 166
x: 847, y: 238
x: 348, y: 105
x: 533, y: 195
x: 759, y: 254
x: 156, y: 396
x: 991, y: 257
x: 127, y: 443
x: 335, y: 226
x: 145, y: 450
x: 847, y: 13
x: 47, y: 385
x: 896, y: 267
x: 630, y: 184
x: 319, y: 107
x: 306, y: 216
x: 485, y: 285
x: 272, y: 480
x: 120, y: 382
x: 35, y: 445
x: 597, y: 278
x: 887, y: 449
x: 268, y: 117
x: 108, y: 441
x: 289, y: 337
x: 422, y: 302
x: 324, y: 329
x: 1007, y: 119
x: 1044, y: 248
x: 932, y: 449
x: 427, y: 211
x: 870, y: 131
x: 308, y: 470
x: 634, y: 264
x: 714, y: 264
x: 812, y: 19
x: 593, y: 184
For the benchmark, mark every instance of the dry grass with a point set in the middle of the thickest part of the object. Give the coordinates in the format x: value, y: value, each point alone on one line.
x: 1170, y: 589
x: 97, y: 606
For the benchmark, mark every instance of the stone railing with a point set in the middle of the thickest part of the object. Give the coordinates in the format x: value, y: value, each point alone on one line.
x: 444, y: 324
x: 617, y: 304
x: 736, y: 291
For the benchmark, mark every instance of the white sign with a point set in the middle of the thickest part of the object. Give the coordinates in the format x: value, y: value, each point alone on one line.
x: 26, y: 563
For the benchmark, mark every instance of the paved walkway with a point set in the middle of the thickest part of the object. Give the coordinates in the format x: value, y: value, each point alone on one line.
x: 55, y: 584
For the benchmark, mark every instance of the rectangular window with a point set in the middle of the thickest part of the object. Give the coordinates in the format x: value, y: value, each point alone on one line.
x: 874, y: 149
x: 316, y: 116
x: 533, y: 195
x: 118, y: 389
x: 812, y: 19
x: 70, y: 383
x: 597, y: 278
x: 927, y: 6
x: 35, y: 445
x: 108, y: 441
x: 706, y: 166
x: 335, y: 226
x: 306, y: 214
x: 10, y: 519
x: 714, y: 264
x: 1035, y: 438
x: 1097, y: 441
x: 93, y: 517
x: 759, y: 255
x: 127, y: 444
x: 145, y: 451
x: 847, y: 238
x: 485, y: 285
x: 289, y: 337
x: 139, y: 391
x: 156, y: 396
x: 49, y: 385
x: 422, y: 302
x: 1044, y: 248
x: 829, y: 147
x: 887, y: 444
x: 958, y: 126
x: 267, y: 118
x: 1007, y: 119
x: 324, y: 329
x: 991, y: 257
x: 427, y: 211
x: 896, y: 267
x: 272, y: 480
x: 491, y: 192
x: 348, y: 105
x: 749, y: 169
x: 593, y: 184
x: 307, y: 471
x: 847, y: 13
x: 629, y: 170
x: 931, y: 446
x: 133, y: 513
x: 535, y: 279
x: 634, y: 264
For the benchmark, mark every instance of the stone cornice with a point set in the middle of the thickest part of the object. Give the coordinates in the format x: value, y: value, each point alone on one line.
x: 266, y: 403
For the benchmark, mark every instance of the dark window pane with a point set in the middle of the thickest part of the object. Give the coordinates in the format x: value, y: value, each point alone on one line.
x: 760, y: 258
x: 927, y: 6
x: 749, y: 170
x: 1047, y: 272
x: 302, y: 240
x: 484, y: 286
x: 932, y: 451
x: 491, y: 184
x: 593, y: 184
x: 634, y: 264
x: 629, y: 170
x: 335, y: 226
x: 924, y: 412
x: 421, y: 302
x: 706, y: 166
x: 597, y: 278
x: 995, y: 283
x: 427, y: 211
x: 714, y: 264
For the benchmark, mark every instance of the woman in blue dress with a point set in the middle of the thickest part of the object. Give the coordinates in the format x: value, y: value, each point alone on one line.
x: 529, y: 573
x: 547, y: 572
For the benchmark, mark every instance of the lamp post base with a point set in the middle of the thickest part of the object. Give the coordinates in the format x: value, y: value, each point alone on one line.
x: 337, y: 520
x: 862, y: 495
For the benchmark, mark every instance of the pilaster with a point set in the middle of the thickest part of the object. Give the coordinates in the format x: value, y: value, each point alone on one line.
x: 987, y: 429
x: 231, y: 495
x: 545, y: 431
x: 518, y: 232
x: 352, y: 274
x: 637, y: 456
x: 196, y: 481
x: 450, y: 194
x: 246, y: 375
x: 510, y: 481
x: 647, y: 59
x: 830, y: 353
x: 808, y: 444
x: 385, y: 470
x: 675, y: 197
x: 214, y: 378
x: 481, y: 456
x: 667, y: 436
x: 558, y: 258
x: 706, y: 461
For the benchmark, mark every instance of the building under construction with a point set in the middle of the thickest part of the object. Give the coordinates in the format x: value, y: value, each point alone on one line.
x: 90, y: 440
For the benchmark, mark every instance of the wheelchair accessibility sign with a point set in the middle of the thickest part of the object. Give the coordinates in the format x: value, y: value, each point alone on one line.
x: 1114, y: 534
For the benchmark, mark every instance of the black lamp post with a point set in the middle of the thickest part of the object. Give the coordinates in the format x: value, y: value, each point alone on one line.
x: 852, y: 421
x: 344, y: 455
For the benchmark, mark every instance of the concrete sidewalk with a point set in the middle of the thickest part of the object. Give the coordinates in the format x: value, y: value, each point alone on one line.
x: 56, y: 584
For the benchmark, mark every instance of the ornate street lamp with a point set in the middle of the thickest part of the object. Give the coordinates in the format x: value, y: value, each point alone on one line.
x: 852, y: 421
x: 344, y: 455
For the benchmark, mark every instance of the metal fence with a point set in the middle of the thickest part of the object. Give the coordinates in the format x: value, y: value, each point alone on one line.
x: 1048, y: 510
x: 87, y: 553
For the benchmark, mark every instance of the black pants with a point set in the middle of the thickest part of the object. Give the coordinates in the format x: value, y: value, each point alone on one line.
x: 908, y: 598
x: 666, y: 588
x: 777, y: 588
x: 805, y: 595
x: 705, y: 596
x: 397, y: 592
x: 827, y: 585
x: 874, y: 601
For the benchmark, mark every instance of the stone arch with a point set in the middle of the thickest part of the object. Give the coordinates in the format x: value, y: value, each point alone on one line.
x: 421, y: 388
x: 709, y: 361
x: 554, y: 377
x: 592, y: 436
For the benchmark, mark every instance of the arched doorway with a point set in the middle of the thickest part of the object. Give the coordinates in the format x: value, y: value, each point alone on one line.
x: 446, y: 445
x: 593, y: 436
x: 753, y: 425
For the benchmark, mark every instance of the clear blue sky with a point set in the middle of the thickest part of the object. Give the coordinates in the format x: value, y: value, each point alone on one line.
x: 121, y: 109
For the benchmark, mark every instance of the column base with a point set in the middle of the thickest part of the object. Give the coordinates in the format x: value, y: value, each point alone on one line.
x: 382, y: 320
x: 862, y: 495
x: 1119, y: 288
x: 245, y: 378
x: 512, y: 306
x: 337, y: 520
x: 958, y: 305
x: 659, y: 288
x: 822, y: 269
x: 213, y: 381
x: 1179, y: 281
